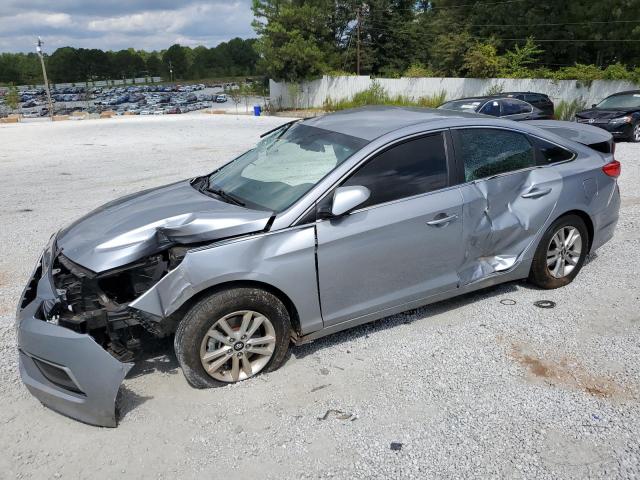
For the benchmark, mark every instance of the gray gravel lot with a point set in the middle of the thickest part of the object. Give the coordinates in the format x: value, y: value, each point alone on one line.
x: 470, y: 387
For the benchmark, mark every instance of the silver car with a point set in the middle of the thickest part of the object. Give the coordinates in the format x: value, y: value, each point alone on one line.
x: 327, y: 223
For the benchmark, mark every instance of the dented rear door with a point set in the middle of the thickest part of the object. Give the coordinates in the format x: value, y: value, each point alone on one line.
x: 507, y: 199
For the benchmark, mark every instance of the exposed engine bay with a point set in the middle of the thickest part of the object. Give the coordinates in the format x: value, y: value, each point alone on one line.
x: 98, y: 303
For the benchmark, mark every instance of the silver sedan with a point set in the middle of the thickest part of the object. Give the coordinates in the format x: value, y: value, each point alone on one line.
x: 327, y: 223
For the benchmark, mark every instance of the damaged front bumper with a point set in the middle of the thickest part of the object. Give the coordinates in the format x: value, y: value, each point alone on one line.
x: 67, y: 371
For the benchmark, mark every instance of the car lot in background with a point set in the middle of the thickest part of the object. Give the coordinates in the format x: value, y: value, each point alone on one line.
x: 619, y: 114
x: 131, y: 99
x: 497, y: 106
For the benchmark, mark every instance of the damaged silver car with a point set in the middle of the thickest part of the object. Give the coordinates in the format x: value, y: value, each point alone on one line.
x: 327, y: 223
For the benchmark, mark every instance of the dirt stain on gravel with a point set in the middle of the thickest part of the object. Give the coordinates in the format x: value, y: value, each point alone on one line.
x: 566, y: 372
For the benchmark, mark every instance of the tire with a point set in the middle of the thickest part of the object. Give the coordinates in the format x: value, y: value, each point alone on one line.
x: 201, y: 334
x: 561, y: 271
x: 635, y: 133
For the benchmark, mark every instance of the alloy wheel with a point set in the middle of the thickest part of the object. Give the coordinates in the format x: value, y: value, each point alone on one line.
x: 636, y: 132
x: 563, y: 252
x: 238, y: 346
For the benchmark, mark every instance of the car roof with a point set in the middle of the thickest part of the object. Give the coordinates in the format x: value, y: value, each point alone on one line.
x: 524, y: 93
x: 374, y: 121
x: 627, y: 92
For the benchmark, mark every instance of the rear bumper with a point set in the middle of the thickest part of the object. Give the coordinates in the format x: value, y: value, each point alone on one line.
x: 605, y: 221
x: 67, y: 371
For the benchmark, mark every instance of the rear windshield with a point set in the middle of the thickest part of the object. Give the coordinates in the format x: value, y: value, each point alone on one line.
x: 631, y: 100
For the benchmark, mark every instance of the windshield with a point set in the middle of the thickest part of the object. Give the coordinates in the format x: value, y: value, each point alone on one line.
x: 631, y: 100
x: 463, y: 105
x: 284, y: 166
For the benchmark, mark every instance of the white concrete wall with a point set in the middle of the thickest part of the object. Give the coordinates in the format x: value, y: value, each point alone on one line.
x: 315, y: 93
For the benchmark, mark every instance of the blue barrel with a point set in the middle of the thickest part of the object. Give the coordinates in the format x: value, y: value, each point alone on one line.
x: 257, y: 110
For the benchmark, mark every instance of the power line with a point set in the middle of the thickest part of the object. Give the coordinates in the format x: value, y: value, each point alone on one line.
x: 379, y: 22
x: 476, y: 37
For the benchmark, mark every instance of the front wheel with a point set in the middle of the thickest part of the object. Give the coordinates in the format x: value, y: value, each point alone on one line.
x: 635, y: 133
x: 560, y: 253
x: 232, y: 335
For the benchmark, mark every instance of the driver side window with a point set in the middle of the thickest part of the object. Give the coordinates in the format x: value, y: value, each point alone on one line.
x: 404, y: 170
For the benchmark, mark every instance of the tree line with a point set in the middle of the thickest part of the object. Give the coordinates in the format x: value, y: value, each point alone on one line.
x: 301, y: 39
x: 68, y: 64
x: 304, y: 39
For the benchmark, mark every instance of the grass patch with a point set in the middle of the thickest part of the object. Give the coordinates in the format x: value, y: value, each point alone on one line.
x: 377, y: 95
x: 567, y: 110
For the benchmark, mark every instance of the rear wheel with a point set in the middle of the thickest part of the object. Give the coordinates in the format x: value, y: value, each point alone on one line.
x: 635, y: 133
x: 232, y: 335
x: 560, y: 253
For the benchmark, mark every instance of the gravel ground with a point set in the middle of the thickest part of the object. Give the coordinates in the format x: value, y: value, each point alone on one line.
x: 469, y: 387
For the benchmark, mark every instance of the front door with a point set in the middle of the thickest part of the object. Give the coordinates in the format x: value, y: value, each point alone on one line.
x: 403, y: 244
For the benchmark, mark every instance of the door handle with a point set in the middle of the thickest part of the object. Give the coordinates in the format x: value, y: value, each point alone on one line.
x: 439, y: 220
x: 536, y: 193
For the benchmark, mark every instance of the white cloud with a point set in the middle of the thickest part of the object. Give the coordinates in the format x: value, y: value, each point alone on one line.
x: 117, y: 24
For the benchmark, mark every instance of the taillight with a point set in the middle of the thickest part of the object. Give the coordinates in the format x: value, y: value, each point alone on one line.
x: 612, y: 168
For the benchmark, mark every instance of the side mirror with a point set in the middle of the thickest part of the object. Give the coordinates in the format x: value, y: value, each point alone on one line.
x: 346, y: 199
x: 594, y: 105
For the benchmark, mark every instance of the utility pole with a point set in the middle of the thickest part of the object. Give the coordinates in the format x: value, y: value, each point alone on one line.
x: 171, y: 71
x: 358, y: 40
x: 44, y: 74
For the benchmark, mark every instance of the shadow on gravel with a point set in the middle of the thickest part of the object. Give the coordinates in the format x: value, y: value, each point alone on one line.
x: 157, y: 356
x: 128, y: 401
x: 406, y: 318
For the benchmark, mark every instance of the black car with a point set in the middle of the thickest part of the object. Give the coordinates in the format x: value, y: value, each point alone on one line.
x: 619, y: 114
x: 538, y: 100
x: 497, y: 106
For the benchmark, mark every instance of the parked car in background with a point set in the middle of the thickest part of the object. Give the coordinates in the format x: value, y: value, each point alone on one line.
x: 619, y: 114
x: 222, y: 98
x: 509, y: 108
x: 538, y: 100
x: 328, y: 223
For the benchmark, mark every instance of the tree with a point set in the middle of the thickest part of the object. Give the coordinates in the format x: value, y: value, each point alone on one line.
x: 154, y: 65
x: 482, y: 61
x: 518, y: 60
x: 175, y: 58
x: 295, y: 41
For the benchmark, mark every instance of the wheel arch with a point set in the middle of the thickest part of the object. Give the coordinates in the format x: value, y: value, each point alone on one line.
x: 586, y: 218
x: 228, y: 285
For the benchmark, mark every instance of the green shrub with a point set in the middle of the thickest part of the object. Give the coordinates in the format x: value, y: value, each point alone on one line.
x: 418, y: 70
x: 567, y: 110
x: 339, y: 73
x: 495, y: 89
x: 377, y: 95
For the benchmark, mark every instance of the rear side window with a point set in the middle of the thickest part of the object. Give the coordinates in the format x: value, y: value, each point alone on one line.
x: 551, y: 153
x: 515, y: 107
x: 486, y: 152
x: 410, y: 168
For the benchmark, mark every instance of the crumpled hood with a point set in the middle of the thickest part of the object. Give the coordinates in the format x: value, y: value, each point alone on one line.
x: 145, y: 223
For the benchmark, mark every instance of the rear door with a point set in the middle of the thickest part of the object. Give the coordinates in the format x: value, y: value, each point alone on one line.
x: 403, y: 244
x: 507, y: 198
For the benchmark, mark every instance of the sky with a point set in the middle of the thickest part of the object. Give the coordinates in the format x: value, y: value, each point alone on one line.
x: 119, y: 24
